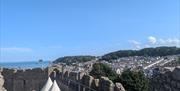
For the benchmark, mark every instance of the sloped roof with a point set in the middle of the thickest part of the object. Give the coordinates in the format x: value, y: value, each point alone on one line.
x: 48, y: 85
x: 54, y: 87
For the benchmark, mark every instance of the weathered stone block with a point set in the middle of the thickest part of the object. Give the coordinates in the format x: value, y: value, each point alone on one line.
x: 119, y: 87
x: 73, y: 76
x: 2, y: 83
x: 105, y: 84
x: 178, y: 85
x: 176, y: 73
x: 95, y: 84
x: 87, y: 80
x: 173, y: 83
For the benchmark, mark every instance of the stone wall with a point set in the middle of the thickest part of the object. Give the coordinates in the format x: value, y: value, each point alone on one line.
x: 166, y: 81
x: 34, y: 79
x: 83, y: 82
x: 24, y: 80
x: 2, y: 83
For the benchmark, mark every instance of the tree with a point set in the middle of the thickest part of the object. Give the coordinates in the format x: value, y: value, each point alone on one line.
x: 158, y: 51
x: 100, y: 69
x: 69, y: 60
x: 133, y: 81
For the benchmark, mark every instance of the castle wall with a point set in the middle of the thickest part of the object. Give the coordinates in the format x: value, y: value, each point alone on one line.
x: 168, y: 81
x: 24, y: 80
x: 33, y: 80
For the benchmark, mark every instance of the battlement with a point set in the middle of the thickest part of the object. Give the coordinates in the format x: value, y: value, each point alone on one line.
x: 34, y: 79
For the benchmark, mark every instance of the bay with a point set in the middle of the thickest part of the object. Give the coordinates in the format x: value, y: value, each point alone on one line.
x: 25, y: 65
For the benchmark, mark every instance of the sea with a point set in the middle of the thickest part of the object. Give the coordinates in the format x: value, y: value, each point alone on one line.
x: 25, y: 65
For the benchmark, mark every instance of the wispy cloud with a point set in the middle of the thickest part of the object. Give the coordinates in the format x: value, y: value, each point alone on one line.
x: 169, y: 41
x: 135, y: 43
x: 154, y: 41
x: 15, y: 49
x: 163, y: 42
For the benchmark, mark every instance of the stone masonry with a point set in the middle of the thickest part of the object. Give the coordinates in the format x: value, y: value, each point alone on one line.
x: 34, y: 79
x: 2, y: 83
x: 168, y: 81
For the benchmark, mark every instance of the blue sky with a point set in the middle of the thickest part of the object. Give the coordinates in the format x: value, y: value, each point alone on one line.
x: 48, y: 29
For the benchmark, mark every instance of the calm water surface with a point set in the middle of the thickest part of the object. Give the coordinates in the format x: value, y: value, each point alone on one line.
x: 25, y: 65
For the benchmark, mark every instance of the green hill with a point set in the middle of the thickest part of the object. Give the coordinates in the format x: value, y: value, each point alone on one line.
x: 158, y: 51
x: 74, y: 59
